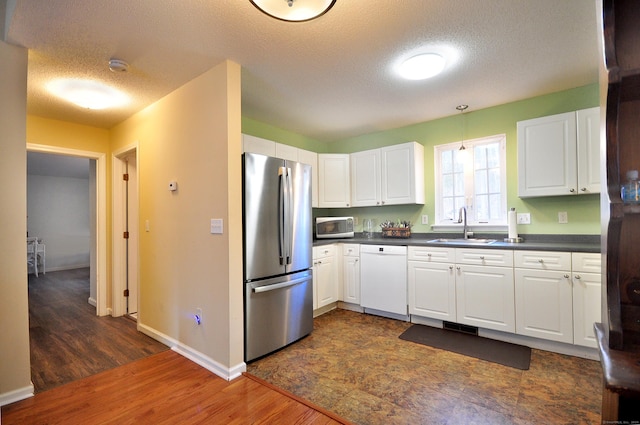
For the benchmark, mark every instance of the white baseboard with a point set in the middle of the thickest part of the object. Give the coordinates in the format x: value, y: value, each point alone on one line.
x: 194, y: 355
x: 16, y: 395
x: 93, y: 302
x: 70, y: 267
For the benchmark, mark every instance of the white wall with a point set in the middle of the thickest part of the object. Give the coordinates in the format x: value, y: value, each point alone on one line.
x: 58, y: 213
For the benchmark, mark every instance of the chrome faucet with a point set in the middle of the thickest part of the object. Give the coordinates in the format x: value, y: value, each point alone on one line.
x: 462, y: 218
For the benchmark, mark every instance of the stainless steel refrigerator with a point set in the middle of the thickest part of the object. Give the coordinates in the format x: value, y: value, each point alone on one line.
x: 278, y: 237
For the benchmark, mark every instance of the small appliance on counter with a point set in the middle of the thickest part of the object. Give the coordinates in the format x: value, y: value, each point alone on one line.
x: 334, y: 227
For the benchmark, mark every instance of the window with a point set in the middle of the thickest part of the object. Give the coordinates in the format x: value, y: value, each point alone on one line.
x: 474, y: 178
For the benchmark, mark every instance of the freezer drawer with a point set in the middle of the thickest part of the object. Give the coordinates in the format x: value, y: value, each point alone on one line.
x: 278, y: 312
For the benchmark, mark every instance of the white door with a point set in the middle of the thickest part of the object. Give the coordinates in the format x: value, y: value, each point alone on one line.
x: 365, y: 178
x: 484, y: 297
x: 432, y: 290
x: 544, y: 304
x: 547, y: 156
x: 588, y: 138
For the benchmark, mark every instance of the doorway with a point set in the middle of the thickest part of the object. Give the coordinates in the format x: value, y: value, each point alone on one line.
x: 125, y: 232
x: 98, y: 221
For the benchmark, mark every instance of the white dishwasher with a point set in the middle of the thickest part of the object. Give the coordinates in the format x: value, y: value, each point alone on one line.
x: 383, y: 278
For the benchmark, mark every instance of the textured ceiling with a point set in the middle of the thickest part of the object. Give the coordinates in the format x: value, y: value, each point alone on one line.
x: 329, y: 78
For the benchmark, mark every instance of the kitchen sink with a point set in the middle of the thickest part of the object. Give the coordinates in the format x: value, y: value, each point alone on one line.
x: 471, y: 241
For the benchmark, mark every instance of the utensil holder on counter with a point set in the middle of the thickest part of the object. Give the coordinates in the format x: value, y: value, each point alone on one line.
x: 396, y: 232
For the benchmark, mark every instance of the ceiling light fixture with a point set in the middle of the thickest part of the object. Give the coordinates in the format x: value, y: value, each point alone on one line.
x: 87, y: 94
x: 117, y: 65
x: 422, y: 66
x: 462, y: 108
x: 294, y: 10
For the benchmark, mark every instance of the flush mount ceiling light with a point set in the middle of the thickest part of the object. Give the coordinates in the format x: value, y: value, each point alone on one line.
x: 87, y: 94
x: 294, y: 10
x: 422, y: 66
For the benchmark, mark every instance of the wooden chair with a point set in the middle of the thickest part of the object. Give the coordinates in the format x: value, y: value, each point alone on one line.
x: 32, y: 256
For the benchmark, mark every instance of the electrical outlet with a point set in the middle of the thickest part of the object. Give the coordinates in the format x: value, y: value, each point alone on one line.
x: 425, y: 219
x: 563, y: 217
x: 198, y: 316
x: 523, y: 218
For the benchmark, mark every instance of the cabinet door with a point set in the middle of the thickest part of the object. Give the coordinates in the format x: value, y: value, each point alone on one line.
x: 327, y: 280
x: 544, y: 304
x: 311, y: 158
x: 402, y: 174
x: 290, y: 153
x: 432, y: 290
x: 365, y: 178
x: 547, y: 156
x: 587, y: 308
x: 588, y: 137
x: 259, y: 145
x: 484, y: 297
x: 351, y: 277
x: 333, y: 181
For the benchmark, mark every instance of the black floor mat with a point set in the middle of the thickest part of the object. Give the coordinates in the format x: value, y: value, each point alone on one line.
x: 504, y: 353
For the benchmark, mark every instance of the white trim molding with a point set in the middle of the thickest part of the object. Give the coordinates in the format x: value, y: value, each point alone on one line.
x: 195, y: 355
x: 16, y: 395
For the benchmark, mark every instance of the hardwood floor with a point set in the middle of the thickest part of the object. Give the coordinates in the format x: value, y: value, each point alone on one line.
x: 165, y: 388
x: 68, y: 341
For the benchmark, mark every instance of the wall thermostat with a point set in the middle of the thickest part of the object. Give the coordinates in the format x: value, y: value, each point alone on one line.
x: 173, y: 186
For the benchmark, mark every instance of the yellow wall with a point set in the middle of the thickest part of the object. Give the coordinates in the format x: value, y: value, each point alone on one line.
x: 192, y: 136
x: 15, y: 374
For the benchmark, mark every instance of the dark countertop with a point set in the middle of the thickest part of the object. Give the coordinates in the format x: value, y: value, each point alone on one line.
x: 568, y: 243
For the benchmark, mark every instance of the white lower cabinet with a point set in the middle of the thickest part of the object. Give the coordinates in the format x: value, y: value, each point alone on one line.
x: 544, y: 297
x: 325, y: 276
x: 587, y: 297
x: 432, y: 284
x: 351, y: 273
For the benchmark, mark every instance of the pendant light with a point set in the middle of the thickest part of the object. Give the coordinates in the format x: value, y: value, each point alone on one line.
x: 462, y: 108
x: 294, y: 10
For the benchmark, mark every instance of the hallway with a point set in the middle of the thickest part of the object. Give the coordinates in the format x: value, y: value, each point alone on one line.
x: 68, y: 341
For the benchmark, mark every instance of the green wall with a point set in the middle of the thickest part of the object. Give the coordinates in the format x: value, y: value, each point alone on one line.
x: 583, y: 210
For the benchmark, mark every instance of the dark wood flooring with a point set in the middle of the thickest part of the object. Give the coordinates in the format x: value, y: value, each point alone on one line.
x: 165, y: 388
x: 68, y: 341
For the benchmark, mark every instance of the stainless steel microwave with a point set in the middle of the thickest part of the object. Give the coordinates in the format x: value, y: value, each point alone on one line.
x: 334, y: 227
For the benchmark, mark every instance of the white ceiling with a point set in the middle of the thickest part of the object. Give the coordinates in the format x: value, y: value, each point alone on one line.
x: 330, y: 78
x: 52, y: 165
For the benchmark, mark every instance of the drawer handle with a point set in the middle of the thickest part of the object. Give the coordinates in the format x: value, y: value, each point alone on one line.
x: 482, y: 257
x: 451, y: 268
x: 356, y: 260
x: 458, y: 268
x: 541, y: 261
x: 578, y: 276
x: 566, y: 276
x: 429, y: 255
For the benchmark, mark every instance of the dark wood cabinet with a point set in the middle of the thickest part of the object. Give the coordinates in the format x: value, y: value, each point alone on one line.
x: 619, y: 334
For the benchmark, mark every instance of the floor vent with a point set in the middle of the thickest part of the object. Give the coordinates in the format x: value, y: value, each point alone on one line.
x: 472, y: 330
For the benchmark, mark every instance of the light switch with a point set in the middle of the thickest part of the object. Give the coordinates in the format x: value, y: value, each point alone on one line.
x: 216, y: 226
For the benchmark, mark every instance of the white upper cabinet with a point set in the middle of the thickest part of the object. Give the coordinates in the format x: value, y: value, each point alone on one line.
x: 392, y: 175
x: 290, y: 153
x: 311, y: 158
x: 333, y: 181
x: 402, y: 174
x: 365, y: 178
x: 258, y: 145
x: 559, y: 154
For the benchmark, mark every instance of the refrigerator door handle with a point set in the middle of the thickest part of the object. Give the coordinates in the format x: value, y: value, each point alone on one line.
x: 268, y: 288
x: 282, y: 223
x: 288, y: 217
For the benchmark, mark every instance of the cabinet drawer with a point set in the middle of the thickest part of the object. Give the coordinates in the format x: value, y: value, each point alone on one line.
x: 351, y: 249
x: 431, y: 254
x: 543, y: 260
x: 485, y: 257
x: 586, y: 262
x: 323, y: 251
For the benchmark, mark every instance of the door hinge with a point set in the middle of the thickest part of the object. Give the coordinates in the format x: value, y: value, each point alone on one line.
x: 125, y: 293
x: 125, y: 235
x: 125, y: 177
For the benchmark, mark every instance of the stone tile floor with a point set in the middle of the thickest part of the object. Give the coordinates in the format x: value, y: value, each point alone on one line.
x: 356, y: 366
